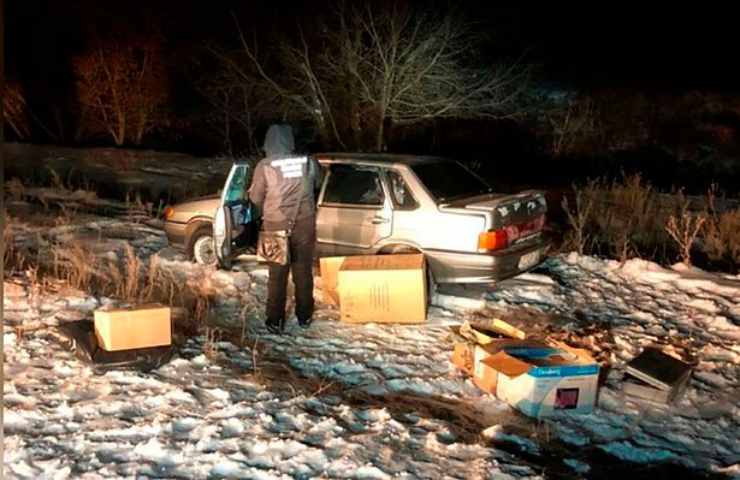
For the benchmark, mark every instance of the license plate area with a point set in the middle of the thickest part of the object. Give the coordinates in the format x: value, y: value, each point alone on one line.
x: 529, y: 260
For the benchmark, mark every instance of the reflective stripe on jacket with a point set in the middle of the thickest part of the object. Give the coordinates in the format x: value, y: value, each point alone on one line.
x: 279, y: 183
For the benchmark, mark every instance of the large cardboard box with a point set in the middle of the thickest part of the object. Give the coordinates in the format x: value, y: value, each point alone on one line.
x: 142, y: 326
x: 543, y: 381
x: 383, y: 289
x: 329, y: 268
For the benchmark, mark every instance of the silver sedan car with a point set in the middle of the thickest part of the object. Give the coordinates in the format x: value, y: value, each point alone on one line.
x: 382, y: 203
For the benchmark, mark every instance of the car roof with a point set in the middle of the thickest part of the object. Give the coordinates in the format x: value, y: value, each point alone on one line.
x: 381, y: 158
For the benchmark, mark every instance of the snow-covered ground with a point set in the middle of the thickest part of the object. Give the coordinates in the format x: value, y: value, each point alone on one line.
x: 372, y: 401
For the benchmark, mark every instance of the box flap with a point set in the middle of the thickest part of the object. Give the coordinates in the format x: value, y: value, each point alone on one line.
x: 498, y: 326
x: 384, y: 262
x: 584, y: 356
x: 507, y: 364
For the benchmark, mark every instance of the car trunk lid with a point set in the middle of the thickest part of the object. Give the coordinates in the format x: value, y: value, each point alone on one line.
x: 521, y: 215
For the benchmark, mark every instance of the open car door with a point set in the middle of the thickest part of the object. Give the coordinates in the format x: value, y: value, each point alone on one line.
x: 222, y: 232
x: 234, y: 216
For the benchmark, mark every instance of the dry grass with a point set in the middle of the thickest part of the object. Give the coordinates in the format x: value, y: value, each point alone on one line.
x: 56, y: 179
x: 627, y: 218
x: 580, y: 217
x: 620, y: 218
x: 630, y: 221
x: 130, y: 280
x: 721, y: 240
x: 75, y: 265
x: 212, y: 336
x: 136, y: 209
x: 15, y: 259
x: 67, y: 213
x: 684, y: 227
x: 15, y: 189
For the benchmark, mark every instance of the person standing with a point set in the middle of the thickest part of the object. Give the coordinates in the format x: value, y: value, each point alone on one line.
x: 283, y: 191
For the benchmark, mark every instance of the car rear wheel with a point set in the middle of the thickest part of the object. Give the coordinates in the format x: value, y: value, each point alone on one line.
x: 203, y: 250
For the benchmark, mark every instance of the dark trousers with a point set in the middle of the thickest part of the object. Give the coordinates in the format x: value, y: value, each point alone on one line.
x: 302, y: 246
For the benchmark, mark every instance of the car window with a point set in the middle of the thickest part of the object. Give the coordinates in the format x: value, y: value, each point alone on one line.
x: 447, y: 180
x: 400, y: 192
x: 354, y: 186
x: 236, y: 189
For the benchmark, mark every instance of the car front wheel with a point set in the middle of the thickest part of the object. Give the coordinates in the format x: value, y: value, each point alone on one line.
x: 203, y: 248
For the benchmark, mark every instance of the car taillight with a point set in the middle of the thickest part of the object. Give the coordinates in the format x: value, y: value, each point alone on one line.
x: 503, y: 237
x: 168, y: 212
x: 495, y: 240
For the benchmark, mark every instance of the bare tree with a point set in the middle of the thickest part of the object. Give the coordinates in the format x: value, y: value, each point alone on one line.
x: 122, y: 87
x: 240, y: 98
x: 15, y: 111
x: 573, y: 127
x: 296, y: 88
x: 419, y: 66
x: 376, y: 65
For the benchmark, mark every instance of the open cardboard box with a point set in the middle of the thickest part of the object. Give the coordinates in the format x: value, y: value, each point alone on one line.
x: 471, y: 358
x: 377, y: 288
x: 537, y: 378
x: 543, y: 381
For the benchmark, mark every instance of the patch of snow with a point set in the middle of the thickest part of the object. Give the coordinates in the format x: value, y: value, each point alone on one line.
x: 191, y: 417
x: 577, y: 466
x: 632, y: 453
x: 497, y: 433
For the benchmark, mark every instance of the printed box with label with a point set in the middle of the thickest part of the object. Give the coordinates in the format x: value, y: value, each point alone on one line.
x: 142, y: 326
x: 383, y: 289
x: 542, y: 381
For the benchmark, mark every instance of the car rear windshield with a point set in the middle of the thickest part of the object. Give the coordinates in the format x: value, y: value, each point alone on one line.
x: 448, y: 180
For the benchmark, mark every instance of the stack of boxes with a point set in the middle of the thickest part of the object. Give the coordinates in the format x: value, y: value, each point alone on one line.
x: 537, y: 378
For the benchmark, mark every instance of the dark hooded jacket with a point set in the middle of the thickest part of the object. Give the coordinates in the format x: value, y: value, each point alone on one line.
x: 283, y: 180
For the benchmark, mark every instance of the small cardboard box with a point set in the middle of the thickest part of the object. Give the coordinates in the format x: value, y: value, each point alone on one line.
x: 142, y: 326
x: 542, y: 381
x: 329, y: 268
x: 383, y: 289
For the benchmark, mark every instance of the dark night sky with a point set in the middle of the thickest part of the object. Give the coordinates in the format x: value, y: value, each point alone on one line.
x: 667, y: 47
x: 668, y: 50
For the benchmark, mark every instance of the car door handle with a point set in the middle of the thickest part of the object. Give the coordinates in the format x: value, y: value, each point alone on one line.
x: 379, y: 220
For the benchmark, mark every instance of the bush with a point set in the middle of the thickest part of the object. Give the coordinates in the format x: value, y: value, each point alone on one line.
x: 721, y: 240
x: 625, y: 219
x: 684, y: 227
x: 628, y: 218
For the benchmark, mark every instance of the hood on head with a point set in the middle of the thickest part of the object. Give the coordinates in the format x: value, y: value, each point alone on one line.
x: 279, y: 140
